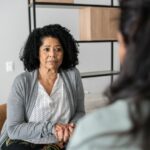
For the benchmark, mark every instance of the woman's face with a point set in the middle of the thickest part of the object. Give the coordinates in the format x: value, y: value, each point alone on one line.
x: 50, y: 53
x: 122, y: 47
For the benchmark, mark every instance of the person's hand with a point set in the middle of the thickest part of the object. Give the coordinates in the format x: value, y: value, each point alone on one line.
x: 58, y: 131
x: 71, y: 127
x: 66, y: 134
x: 61, y: 132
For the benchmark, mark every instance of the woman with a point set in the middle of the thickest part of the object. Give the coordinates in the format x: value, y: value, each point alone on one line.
x: 46, y: 100
x: 124, y: 125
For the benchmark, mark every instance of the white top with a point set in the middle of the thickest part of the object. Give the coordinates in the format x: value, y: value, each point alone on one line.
x: 53, y: 107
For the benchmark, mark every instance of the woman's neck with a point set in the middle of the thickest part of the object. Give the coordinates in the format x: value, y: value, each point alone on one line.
x: 47, y: 74
x: 47, y: 78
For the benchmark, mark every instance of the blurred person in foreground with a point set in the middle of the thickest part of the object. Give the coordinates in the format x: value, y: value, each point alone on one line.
x: 125, y: 124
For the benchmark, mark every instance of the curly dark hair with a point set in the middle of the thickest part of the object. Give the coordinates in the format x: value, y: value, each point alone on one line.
x: 30, y: 53
x: 134, y: 80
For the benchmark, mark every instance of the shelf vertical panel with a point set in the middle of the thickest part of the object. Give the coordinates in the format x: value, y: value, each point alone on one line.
x: 29, y: 16
x: 34, y: 14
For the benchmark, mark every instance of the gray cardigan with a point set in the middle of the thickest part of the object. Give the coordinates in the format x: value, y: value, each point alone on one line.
x: 23, y: 97
x: 100, y: 130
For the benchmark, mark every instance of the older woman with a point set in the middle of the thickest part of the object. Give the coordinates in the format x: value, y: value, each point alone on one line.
x: 46, y: 100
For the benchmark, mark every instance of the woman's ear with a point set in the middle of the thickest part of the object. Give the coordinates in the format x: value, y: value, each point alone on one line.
x: 122, y: 47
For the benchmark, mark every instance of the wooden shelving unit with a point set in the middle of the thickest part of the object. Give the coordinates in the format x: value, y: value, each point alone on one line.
x: 98, y: 73
x: 90, y: 9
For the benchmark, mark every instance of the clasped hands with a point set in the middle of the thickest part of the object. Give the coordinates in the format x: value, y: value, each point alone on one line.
x: 63, y: 131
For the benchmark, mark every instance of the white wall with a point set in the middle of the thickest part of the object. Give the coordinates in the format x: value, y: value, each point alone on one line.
x: 14, y: 31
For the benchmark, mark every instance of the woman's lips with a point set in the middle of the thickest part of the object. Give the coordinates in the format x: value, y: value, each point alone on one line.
x: 51, y: 62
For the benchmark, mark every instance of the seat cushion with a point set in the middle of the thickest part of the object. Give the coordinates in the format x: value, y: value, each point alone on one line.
x: 2, y: 115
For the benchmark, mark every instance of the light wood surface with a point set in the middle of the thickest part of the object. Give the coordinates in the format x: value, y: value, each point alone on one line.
x: 97, y: 23
x: 2, y: 115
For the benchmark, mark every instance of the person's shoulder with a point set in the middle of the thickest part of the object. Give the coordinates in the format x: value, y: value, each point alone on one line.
x: 72, y: 72
x: 105, y: 121
x: 24, y: 77
x: 113, y: 117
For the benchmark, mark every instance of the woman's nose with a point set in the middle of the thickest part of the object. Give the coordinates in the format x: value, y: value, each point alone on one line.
x: 52, y: 53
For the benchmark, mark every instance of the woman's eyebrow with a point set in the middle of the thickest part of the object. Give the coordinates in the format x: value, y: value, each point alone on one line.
x: 50, y: 45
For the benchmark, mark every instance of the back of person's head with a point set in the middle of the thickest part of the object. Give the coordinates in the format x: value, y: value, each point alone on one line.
x: 30, y: 53
x: 134, y: 79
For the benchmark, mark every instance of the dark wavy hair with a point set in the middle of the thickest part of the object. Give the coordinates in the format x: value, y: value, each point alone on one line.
x: 30, y: 53
x: 134, y: 80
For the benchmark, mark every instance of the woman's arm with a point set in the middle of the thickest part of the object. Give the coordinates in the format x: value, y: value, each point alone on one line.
x: 17, y: 127
x: 80, y: 109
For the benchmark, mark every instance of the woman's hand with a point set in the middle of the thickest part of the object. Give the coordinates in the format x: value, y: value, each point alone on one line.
x: 63, y: 131
x: 58, y: 128
x: 71, y: 127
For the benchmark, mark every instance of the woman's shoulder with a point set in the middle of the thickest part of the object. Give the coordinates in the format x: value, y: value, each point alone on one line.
x: 25, y: 77
x: 107, y: 120
x: 114, y: 116
x: 72, y: 72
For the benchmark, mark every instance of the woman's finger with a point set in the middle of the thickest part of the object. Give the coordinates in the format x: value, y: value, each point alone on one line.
x: 66, y: 135
x: 60, y: 135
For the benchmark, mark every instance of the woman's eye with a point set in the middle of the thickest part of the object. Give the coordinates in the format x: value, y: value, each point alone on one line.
x: 46, y: 49
x: 58, y: 49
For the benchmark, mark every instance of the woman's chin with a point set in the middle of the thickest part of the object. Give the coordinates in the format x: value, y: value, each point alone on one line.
x: 52, y: 67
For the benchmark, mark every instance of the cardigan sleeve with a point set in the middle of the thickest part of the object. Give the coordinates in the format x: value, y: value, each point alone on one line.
x: 79, y: 107
x: 17, y: 126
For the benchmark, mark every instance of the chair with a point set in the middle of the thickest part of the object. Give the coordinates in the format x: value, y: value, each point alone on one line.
x: 2, y: 115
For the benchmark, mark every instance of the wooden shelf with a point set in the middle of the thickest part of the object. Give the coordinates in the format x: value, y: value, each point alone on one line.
x: 53, y: 1
x: 96, y: 41
x: 71, y: 5
x: 98, y: 73
x: 97, y: 22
